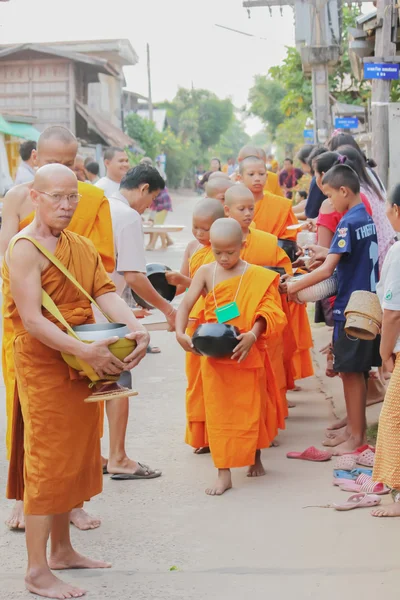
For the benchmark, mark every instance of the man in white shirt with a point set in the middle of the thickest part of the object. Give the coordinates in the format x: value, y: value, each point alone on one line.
x: 26, y: 169
x: 138, y: 189
x: 117, y: 165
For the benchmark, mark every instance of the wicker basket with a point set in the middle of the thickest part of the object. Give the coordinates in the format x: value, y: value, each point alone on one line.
x: 319, y: 291
x: 363, y: 315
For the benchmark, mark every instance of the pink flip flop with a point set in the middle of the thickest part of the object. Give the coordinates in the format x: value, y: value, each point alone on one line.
x: 358, y: 501
x: 312, y: 454
x: 364, y: 483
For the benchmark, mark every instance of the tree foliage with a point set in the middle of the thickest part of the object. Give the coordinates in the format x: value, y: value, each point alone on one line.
x: 231, y: 141
x: 144, y: 132
x: 265, y: 99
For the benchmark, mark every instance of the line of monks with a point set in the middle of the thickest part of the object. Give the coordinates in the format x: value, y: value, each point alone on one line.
x: 263, y: 217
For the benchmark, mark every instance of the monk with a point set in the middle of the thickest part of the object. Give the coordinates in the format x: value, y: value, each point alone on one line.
x: 272, y: 181
x: 216, y: 188
x: 274, y: 214
x: 55, y: 460
x: 91, y: 219
x: 261, y: 248
x: 234, y: 392
x: 197, y: 253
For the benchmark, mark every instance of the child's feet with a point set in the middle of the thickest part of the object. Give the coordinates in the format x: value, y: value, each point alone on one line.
x: 335, y: 440
x: 349, y: 446
x: 223, y: 483
x: 202, y: 450
x: 338, y: 425
x: 256, y: 470
x: 390, y: 510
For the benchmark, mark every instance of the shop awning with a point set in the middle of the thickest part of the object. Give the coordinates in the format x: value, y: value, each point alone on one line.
x: 20, y: 130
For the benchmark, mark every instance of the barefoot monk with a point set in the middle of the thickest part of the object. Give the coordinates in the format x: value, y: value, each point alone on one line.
x: 55, y: 462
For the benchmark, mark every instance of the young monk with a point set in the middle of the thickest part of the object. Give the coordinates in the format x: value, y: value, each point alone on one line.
x: 235, y: 396
x: 216, y: 188
x: 91, y: 219
x: 197, y: 253
x: 274, y: 214
x: 261, y: 248
x: 272, y: 182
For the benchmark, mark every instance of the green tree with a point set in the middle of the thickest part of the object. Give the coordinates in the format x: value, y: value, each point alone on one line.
x: 231, y: 141
x: 298, y: 89
x: 265, y: 99
x: 144, y: 132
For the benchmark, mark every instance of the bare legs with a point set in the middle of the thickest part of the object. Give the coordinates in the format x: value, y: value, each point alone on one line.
x: 117, y: 415
x: 355, y: 393
x: 39, y: 578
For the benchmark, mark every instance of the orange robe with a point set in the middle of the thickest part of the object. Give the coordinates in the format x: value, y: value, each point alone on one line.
x: 196, y: 431
x: 262, y: 249
x: 235, y: 394
x: 55, y: 458
x: 92, y: 219
x: 273, y: 215
x: 272, y: 184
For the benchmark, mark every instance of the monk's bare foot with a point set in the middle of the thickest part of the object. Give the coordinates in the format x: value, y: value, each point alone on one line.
x: 348, y: 446
x: 297, y: 388
x: 274, y: 443
x: 16, y: 521
x: 256, y: 470
x: 82, y: 520
x: 202, y: 450
x: 338, y: 425
x: 43, y: 583
x: 390, y: 510
x: 223, y: 483
x: 69, y: 559
x: 291, y: 404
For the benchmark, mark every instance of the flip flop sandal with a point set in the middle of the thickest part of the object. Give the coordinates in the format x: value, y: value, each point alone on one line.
x: 358, y: 501
x: 347, y: 462
x: 344, y: 477
x: 143, y: 472
x: 366, y: 458
x: 364, y: 483
x: 312, y: 454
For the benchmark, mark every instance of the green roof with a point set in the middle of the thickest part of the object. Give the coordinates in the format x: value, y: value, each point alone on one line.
x: 21, y: 130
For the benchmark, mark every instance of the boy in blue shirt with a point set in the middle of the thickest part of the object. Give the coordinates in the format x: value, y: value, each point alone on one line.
x: 354, y: 255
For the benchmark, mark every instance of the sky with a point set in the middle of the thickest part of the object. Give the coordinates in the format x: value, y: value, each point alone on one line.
x: 186, y: 46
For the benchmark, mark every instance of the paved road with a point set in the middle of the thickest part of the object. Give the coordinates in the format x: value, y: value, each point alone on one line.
x: 256, y: 542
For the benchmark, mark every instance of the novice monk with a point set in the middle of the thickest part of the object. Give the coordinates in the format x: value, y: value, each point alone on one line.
x: 91, y: 219
x: 272, y: 182
x: 261, y: 248
x: 216, y: 188
x: 234, y: 392
x: 274, y: 214
x: 197, y: 253
x: 55, y: 460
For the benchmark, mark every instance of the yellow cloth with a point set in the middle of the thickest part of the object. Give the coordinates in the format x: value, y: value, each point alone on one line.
x: 241, y: 417
x: 55, y: 460
x: 272, y: 184
x: 274, y: 214
x: 92, y: 219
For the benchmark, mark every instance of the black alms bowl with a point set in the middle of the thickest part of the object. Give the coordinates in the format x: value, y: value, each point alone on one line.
x: 216, y: 340
x: 280, y: 270
x: 290, y: 247
x: 156, y: 275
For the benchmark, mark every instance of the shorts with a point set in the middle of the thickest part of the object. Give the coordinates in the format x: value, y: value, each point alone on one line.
x: 352, y: 355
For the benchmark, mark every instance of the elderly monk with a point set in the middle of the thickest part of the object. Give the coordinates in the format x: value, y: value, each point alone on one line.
x: 91, y: 219
x: 55, y: 458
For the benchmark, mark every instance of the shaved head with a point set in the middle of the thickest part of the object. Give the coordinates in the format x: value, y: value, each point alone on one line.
x: 51, y: 176
x: 208, y: 208
x: 237, y: 194
x: 227, y: 231
x: 58, y: 134
x: 263, y: 154
x: 217, y: 186
x: 246, y: 163
x: 247, y: 151
x: 218, y: 175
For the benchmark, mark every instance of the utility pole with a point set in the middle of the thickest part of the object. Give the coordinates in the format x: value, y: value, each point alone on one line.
x: 319, y: 74
x: 384, y: 50
x: 149, y: 84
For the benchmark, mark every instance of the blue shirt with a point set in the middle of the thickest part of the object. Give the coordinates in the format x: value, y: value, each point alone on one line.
x: 314, y: 200
x: 358, y: 269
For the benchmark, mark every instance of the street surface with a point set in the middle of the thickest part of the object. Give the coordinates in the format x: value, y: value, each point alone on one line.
x: 257, y: 542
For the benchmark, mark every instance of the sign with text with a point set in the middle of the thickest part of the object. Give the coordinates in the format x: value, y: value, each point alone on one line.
x: 381, y: 70
x: 308, y: 136
x: 346, y: 123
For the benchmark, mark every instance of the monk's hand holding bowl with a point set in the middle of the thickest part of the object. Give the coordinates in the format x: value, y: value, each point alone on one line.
x: 186, y: 342
x: 142, y: 339
x: 283, y: 284
x: 99, y: 357
x: 246, y: 340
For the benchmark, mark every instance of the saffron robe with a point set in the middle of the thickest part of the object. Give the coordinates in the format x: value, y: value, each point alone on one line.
x: 272, y: 185
x: 55, y: 460
x: 274, y: 214
x: 235, y: 395
x: 196, y: 430
x: 92, y: 219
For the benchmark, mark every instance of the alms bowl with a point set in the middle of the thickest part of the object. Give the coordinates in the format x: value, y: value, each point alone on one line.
x: 290, y: 247
x: 156, y: 275
x: 216, y: 340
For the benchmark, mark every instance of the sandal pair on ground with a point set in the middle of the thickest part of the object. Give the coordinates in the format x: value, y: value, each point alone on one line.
x: 142, y: 472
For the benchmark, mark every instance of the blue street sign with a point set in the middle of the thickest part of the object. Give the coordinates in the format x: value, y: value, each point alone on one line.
x: 346, y: 123
x: 381, y: 70
x: 308, y: 135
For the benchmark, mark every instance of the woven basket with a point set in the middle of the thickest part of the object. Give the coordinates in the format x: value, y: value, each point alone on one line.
x: 363, y: 315
x: 319, y: 291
